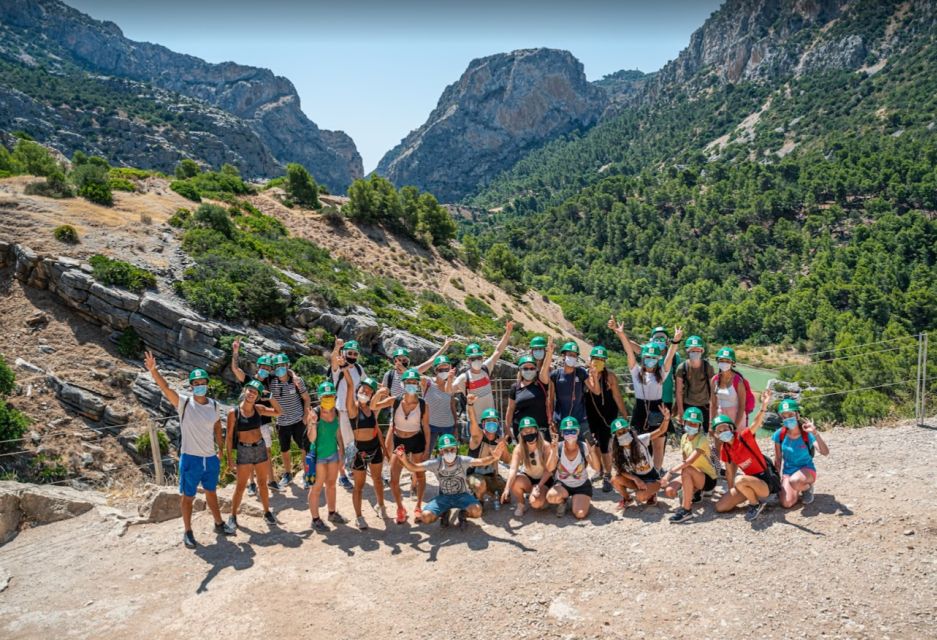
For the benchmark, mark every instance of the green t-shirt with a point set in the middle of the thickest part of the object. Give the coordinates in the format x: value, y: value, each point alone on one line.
x: 327, y: 437
x: 667, y: 388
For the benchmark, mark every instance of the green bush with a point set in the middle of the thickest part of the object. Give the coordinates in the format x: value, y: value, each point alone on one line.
x: 65, y: 233
x: 122, y: 274
x: 187, y: 168
x: 92, y: 182
x: 218, y: 389
x: 215, y: 217
x: 301, y: 187
x: 132, y: 173
x: 333, y: 216
x: 13, y: 423
x: 54, y: 186
x: 97, y: 193
x: 311, y: 367
x: 34, y: 159
x: 478, y: 307
x: 232, y: 288
x: 7, y: 378
x: 130, y: 344
x: 143, y: 443
x: 186, y: 189
x: 120, y: 184
x: 179, y: 218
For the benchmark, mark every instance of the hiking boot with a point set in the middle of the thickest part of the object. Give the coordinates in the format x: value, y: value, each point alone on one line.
x: 681, y: 515
x: 606, y: 485
x: 337, y: 518
x: 561, y: 509
x: 269, y: 519
x: 345, y: 483
x: 361, y: 522
x: 252, y: 489
x: 318, y: 526
x: 189, y: 540
x: 807, y: 496
x: 285, y: 481
x: 754, y: 511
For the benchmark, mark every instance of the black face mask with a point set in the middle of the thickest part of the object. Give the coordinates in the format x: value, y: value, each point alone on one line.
x: 351, y: 360
x: 530, y: 438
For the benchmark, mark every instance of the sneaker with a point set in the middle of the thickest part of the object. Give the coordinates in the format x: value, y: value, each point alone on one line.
x: 228, y: 528
x: 444, y: 518
x: 722, y: 472
x: 252, y: 489
x: 697, y: 497
x: 382, y: 512
x: 459, y: 519
x: 319, y: 526
x: 269, y: 519
x: 285, y: 481
x: 361, y: 522
x: 807, y: 496
x: 681, y: 515
x: 401, y: 515
x: 623, y: 503
x: 189, y: 540
x: 708, y: 494
x: 345, y: 483
x: 606, y: 485
x: 306, y: 484
x: 337, y: 518
x: 561, y: 509
x: 272, y: 485
x: 754, y: 511
x: 519, y: 511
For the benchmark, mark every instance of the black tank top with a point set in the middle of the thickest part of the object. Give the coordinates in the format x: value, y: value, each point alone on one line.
x: 244, y: 423
x: 601, y: 408
x: 364, y: 422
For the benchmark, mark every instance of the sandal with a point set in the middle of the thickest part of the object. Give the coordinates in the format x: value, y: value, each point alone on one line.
x: 417, y: 514
x: 401, y: 515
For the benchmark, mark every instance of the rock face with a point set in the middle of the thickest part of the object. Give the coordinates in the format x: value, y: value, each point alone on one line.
x: 240, y: 114
x: 502, y: 107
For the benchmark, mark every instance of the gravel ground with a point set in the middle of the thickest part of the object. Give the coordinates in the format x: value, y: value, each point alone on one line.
x: 857, y: 563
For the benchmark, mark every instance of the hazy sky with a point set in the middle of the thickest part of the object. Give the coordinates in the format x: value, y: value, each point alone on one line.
x: 376, y: 69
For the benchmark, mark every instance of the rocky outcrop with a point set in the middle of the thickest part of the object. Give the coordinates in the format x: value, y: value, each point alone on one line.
x: 501, y: 108
x: 263, y: 103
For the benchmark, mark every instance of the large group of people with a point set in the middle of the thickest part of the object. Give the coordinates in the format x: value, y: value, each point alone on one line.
x: 567, y: 427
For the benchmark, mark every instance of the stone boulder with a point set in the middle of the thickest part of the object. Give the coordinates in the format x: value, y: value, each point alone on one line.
x: 41, y: 504
x: 362, y: 328
x: 165, y: 311
x: 10, y: 514
x: 307, y: 314
x: 163, y: 503
x: 331, y: 322
x: 84, y: 402
x: 391, y: 339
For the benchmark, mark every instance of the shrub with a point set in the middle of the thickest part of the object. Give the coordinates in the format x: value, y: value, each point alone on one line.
x: 215, y: 217
x: 54, y: 186
x: 231, y: 287
x: 91, y: 180
x: 122, y: 274
x: 300, y: 186
x: 179, y: 218
x: 185, y: 189
x: 7, y: 378
x: 131, y: 173
x: 65, y: 233
x: 13, y: 425
x: 98, y: 193
x: 333, y: 216
x: 130, y: 344
x: 310, y: 367
x: 319, y: 336
x: 120, y: 184
x: 473, y: 254
x: 478, y: 307
x: 275, y: 182
x: 143, y: 443
x: 457, y: 283
x: 187, y: 168
x: 218, y: 389
x: 34, y: 159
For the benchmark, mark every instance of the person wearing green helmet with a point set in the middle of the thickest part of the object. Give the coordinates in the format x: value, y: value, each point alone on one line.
x: 529, y: 463
x: 370, y: 448
x: 485, y: 435
x: 647, y: 378
x: 693, y: 379
x: 602, y: 408
x: 450, y: 469
x: 440, y: 401
x: 201, y: 448
x: 571, y: 464
x: 262, y: 373
x: 660, y: 337
x: 325, y: 434
x: 400, y: 358
x: 696, y: 474
x: 529, y: 395
x: 538, y: 350
x: 569, y: 384
x: 244, y: 422
x: 409, y: 429
x: 740, y: 452
x: 290, y: 391
x: 345, y: 357
x: 633, y: 462
x: 476, y: 379
x: 794, y: 445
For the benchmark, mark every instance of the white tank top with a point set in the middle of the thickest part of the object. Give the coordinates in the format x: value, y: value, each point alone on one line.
x: 572, y: 473
x: 727, y: 399
x: 532, y: 464
x: 407, y: 424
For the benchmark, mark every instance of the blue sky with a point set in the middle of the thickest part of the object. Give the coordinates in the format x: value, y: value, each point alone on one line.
x: 376, y: 69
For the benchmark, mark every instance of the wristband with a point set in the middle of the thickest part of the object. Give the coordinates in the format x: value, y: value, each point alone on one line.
x: 674, y: 342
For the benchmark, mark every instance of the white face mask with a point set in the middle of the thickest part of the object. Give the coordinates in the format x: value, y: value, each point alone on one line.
x: 449, y: 457
x: 570, y: 361
x: 695, y: 355
x: 443, y: 376
x: 725, y: 366
x: 363, y: 398
x: 624, y: 439
x: 476, y: 365
x: 528, y: 375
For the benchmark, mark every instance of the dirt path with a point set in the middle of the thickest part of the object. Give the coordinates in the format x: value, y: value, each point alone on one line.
x: 858, y: 563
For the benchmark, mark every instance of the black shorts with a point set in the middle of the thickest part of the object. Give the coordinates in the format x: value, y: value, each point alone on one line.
x: 649, y: 477
x: 709, y: 483
x: 368, y: 452
x: 603, y: 435
x: 414, y: 444
x: 295, y: 432
x: 640, y: 415
x: 585, y: 489
x: 254, y: 453
x: 535, y: 481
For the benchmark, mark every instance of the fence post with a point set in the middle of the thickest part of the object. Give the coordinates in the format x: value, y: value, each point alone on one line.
x: 157, y: 456
x: 923, y: 375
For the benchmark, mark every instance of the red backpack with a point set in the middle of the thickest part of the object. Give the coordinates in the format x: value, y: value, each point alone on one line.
x: 749, y: 396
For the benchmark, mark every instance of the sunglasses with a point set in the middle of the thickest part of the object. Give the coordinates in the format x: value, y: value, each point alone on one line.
x: 528, y: 368
x: 443, y: 370
x: 403, y: 361
x: 570, y: 433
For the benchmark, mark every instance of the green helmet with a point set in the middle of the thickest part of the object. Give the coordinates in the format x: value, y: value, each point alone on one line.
x: 569, y: 423
x: 256, y: 385
x: 447, y: 441
x: 264, y: 361
x: 788, y: 405
x: 650, y: 350
x: 599, y: 351
x: 726, y: 353
x: 280, y: 358
x: 527, y: 422
x: 722, y: 419
x: 198, y: 374
x: 351, y: 345
x: 693, y: 414
x: 438, y: 360
x: 474, y: 351
x: 410, y: 374
x: 619, y: 424
x: 659, y: 330
x: 694, y: 342
x: 489, y: 414
x: 538, y: 342
x: 525, y: 360
x: 571, y: 347
x: 400, y: 352
x: 369, y: 382
x: 325, y: 389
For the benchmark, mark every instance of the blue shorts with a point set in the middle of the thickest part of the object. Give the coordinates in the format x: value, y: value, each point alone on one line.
x: 332, y: 458
x: 444, y: 502
x: 196, y: 470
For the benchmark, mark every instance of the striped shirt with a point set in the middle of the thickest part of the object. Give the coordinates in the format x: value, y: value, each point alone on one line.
x: 289, y: 396
x: 439, y: 404
x: 396, y: 382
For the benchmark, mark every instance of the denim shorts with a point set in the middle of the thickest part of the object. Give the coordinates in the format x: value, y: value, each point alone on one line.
x: 444, y: 502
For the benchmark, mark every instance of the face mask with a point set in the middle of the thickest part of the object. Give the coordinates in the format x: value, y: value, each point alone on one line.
x: 538, y: 354
x: 442, y: 376
x: 625, y: 439
x: 412, y: 389
x: 530, y: 438
x: 650, y: 363
x: 789, y: 423
x: 449, y: 457
x: 200, y: 389
x: 598, y: 364
x: 695, y: 355
x: 690, y: 429
x: 476, y: 365
x: 570, y: 361
x: 363, y: 398
x: 570, y: 436
x: 351, y: 359
x: 661, y: 342
x: 403, y: 363
x: 528, y: 374
x: 262, y: 374
x: 725, y: 366
x: 725, y: 436
x: 491, y: 427
x: 280, y: 371
x: 328, y: 403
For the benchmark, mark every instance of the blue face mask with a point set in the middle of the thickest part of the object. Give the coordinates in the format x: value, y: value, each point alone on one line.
x: 650, y: 363
x: 789, y: 423
x: 538, y: 354
x: 262, y: 374
x: 725, y: 436
x: 200, y: 389
x: 491, y: 427
x: 691, y: 429
x: 412, y: 389
x: 660, y: 341
x: 280, y: 371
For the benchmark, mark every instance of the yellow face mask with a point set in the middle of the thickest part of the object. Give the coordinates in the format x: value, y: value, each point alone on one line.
x: 599, y: 365
x: 328, y: 403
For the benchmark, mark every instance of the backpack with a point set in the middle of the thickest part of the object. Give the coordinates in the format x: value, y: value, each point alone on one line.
x: 707, y: 371
x: 339, y: 376
x: 397, y: 401
x: 804, y: 437
x: 749, y: 396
